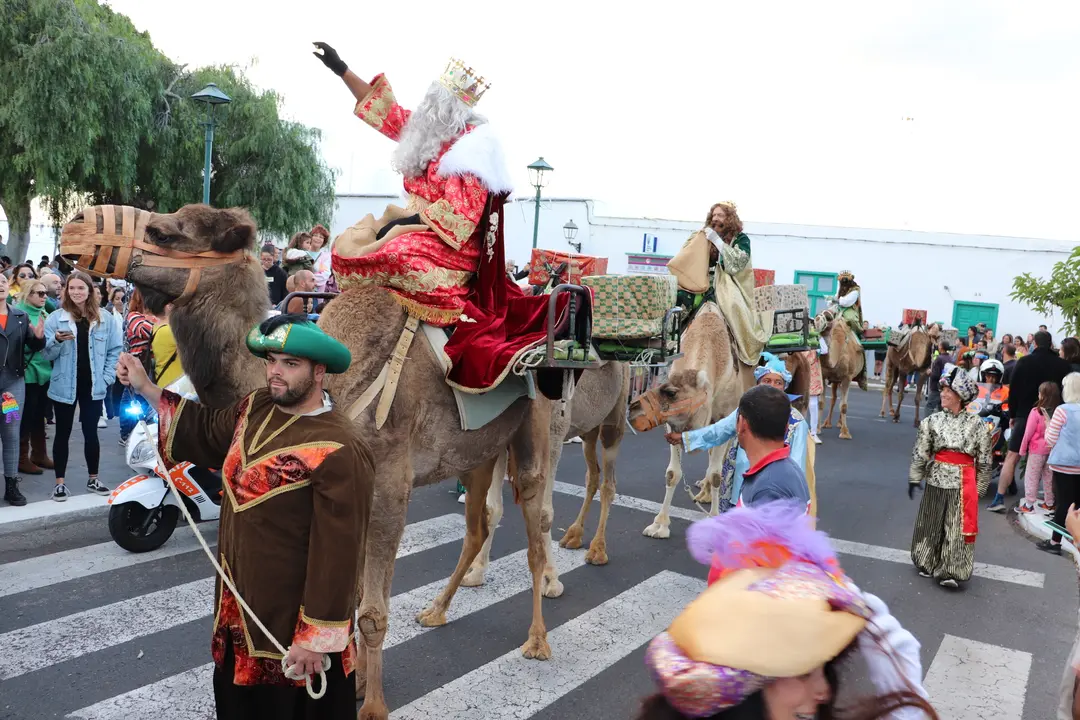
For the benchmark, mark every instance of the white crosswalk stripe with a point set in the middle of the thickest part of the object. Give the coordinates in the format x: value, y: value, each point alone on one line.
x: 601, y: 631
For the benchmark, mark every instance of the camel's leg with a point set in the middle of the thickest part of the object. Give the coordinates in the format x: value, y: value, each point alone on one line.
x: 575, y: 533
x: 661, y: 524
x: 900, y: 393
x: 477, y: 482
x: 920, y: 383
x: 385, y: 526
x: 714, y: 477
x: 552, y: 588
x: 844, y: 388
x: 531, y: 461
x: 494, y: 509
x: 611, y: 438
x: 832, y: 406
x: 886, y: 392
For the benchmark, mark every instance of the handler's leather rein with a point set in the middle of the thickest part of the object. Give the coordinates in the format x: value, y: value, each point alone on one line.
x: 654, y: 416
x: 110, y: 251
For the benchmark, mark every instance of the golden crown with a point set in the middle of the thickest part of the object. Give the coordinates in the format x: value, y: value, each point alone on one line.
x: 463, y: 82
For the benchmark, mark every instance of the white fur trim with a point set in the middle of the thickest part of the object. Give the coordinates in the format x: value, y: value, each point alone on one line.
x: 480, y: 154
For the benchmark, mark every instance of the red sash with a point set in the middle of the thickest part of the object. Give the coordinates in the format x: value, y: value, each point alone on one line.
x: 969, y: 497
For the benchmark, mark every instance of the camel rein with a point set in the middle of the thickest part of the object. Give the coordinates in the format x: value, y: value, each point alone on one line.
x: 289, y: 670
x: 111, y: 253
x: 655, y: 416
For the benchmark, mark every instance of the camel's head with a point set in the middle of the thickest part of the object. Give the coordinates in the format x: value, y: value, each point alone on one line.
x: 165, y: 255
x: 921, y: 348
x: 679, y: 402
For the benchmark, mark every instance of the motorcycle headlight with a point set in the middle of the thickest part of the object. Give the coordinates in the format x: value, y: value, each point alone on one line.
x: 141, y: 453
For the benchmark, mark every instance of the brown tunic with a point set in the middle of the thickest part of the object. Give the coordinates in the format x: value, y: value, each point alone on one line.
x: 297, y: 492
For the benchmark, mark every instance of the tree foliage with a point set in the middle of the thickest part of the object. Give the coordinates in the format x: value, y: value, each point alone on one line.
x: 92, y: 110
x: 1057, y: 296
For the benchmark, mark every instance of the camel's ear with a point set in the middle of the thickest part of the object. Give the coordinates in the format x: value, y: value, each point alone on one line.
x: 703, y: 380
x: 240, y: 234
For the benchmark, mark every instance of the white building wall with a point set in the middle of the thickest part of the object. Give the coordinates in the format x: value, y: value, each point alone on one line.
x: 896, y: 269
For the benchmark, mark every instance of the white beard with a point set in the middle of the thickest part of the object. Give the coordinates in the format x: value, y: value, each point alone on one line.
x: 440, y: 118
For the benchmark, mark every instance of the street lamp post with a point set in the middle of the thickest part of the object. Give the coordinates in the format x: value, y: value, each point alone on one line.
x: 570, y: 232
x: 537, y: 172
x: 212, y: 97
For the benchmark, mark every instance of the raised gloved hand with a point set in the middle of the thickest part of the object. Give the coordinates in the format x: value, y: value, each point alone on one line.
x: 911, y: 488
x: 330, y: 58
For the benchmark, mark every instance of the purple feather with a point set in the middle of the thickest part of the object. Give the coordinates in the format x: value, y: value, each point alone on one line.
x: 729, y: 537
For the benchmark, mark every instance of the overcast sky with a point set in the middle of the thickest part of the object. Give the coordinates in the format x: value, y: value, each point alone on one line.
x: 795, y: 110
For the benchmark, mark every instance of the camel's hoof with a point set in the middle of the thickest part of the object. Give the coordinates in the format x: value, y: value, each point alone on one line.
x: 705, y: 496
x: 827, y: 426
x: 572, y: 539
x: 550, y: 587
x: 658, y: 531
x: 474, y: 577
x: 536, y: 648
x: 597, y: 554
x: 431, y: 617
x: 845, y: 436
x: 375, y: 712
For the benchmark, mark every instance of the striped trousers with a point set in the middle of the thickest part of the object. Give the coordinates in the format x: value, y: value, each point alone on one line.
x: 937, y: 545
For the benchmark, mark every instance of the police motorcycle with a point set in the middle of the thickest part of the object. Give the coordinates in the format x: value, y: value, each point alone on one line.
x: 992, y: 404
x: 143, y: 512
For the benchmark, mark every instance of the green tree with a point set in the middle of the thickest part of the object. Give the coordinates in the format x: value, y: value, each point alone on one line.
x: 92, y: 110
x: 1057, y: 296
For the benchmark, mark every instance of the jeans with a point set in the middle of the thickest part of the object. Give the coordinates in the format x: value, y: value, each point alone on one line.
x: 9, y: 427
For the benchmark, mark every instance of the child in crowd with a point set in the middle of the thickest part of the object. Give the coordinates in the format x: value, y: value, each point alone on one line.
x: 1035, y: 449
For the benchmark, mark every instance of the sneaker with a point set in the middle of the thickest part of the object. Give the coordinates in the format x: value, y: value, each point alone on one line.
x: 998, y: 505
x: 60, y: 493
x: 92, y: 485
x: 1044, y: 506
x: 102, y: 422
x: 1047, y: 546
x: 1024, y: 508
x: 924, y: 574
x: 949, y: 583
x: 817, y: 440
x: 461, y: 499
x: 123, y: 442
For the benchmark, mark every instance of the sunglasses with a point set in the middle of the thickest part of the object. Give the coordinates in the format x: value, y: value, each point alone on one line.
x: 38, y: 293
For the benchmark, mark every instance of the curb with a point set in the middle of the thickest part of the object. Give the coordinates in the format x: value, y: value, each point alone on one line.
x: 1033, y: 524
x: 37, y: 515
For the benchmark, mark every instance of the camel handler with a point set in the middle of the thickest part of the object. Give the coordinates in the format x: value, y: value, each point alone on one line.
x: 847, y: 304
x: 714, y: 264
x: 297, y: 483
x: 737, y: 464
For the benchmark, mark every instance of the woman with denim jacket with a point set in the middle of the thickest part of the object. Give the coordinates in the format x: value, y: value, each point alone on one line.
x: 83, y: 342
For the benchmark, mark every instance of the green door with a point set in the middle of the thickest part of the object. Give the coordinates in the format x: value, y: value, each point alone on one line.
x: 967, y: 314
x: 819, y: 287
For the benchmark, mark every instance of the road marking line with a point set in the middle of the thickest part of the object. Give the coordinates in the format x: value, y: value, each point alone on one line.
x: 970, y: 680
x: 847, y: 547
x: 986, y: 570
x: 581, y: 649
x: 48, y: 643
x: 189, y: 694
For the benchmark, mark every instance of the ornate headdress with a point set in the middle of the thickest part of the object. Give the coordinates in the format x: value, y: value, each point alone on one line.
x: 957, y: 380
x: 463, y: 82
x: 795, y: 610
x: 845, y: 275
x: 729, y: 204
x: 772, y: 365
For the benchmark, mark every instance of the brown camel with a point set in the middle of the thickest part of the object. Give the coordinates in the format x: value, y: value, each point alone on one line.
x: 799, y: 367
x: 421, y: 443
x: 597, y: 412
x: 898, y: 365
x: 704, y: 385
x: 845, y: 360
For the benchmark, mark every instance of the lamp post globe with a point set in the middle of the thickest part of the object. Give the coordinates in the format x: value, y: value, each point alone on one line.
x: 538, y: 174
x: 570, y: 232
x: 212, y: 97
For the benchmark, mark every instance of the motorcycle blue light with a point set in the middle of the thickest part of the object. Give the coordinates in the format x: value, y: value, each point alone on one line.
x: 134, y: 409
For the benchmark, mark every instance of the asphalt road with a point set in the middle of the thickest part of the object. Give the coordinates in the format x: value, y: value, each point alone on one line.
x: 91, y: 632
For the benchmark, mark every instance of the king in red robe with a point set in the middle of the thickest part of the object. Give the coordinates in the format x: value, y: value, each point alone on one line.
x: 442, y: 257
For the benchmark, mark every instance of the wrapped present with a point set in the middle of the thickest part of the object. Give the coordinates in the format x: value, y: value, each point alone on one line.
x: 764, y: 277
x: 578, y: 266
x: 913, y: 316
x: 630, y: 306
x: 770, y: 298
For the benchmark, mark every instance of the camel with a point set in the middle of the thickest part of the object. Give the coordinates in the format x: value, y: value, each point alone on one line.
x: 899, y: 365
x: 218, y: 289
x: 597, y: 411
x: 799, y: 367
x: 704, y: 385
x: 845, y: 360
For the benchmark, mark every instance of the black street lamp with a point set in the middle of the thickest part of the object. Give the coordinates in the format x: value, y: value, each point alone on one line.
x: 212, y: 97
x: 570, y: 232
x: 537, y: 179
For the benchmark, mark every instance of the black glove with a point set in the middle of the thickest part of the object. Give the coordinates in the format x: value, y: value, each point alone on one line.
x: 330, y: 58
x: 911, y: 490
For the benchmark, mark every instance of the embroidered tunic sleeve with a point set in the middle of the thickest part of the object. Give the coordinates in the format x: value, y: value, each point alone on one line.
x: 380, y: 109
x: 192, y: 432
x: 455, y: 215
x: 921, y: 455
x: 983, y: 458
x: 342, y: 487
x: 735, y: 257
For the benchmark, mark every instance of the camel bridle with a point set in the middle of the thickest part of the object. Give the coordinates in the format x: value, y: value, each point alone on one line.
x: 110, y: 252
x: 654, y: 416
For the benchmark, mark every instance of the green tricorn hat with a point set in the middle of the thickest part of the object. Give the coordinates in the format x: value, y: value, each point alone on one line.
x: 296, y: 335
